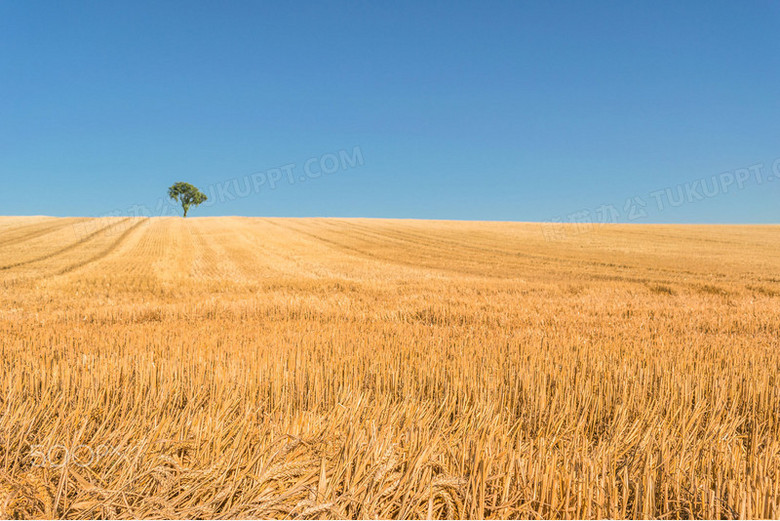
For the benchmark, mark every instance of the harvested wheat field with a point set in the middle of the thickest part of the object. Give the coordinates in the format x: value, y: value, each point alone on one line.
x: 318, y: 368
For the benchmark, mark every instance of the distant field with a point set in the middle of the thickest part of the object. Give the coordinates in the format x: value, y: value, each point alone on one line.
x: 312, y: 368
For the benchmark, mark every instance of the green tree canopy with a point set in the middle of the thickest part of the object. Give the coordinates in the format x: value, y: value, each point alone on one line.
x: 187, y: 195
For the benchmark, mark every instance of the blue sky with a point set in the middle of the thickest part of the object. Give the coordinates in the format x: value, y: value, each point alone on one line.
x: 521, y: 111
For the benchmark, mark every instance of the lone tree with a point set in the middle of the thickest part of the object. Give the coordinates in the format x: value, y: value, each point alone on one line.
x: 187, y: 195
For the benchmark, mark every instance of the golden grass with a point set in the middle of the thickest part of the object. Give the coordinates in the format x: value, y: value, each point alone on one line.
x: 318, y: 368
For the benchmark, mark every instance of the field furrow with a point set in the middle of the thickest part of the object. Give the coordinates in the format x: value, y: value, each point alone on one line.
x: 34, y: 230
x: 87, y: 239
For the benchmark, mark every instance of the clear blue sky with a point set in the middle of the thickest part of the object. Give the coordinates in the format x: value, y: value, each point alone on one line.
x: 482, y: 110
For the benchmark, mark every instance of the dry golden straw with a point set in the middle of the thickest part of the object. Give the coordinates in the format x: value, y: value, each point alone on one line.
x: 326, y: 368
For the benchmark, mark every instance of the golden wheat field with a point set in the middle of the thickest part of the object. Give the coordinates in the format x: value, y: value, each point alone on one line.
x: 352, y: 368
